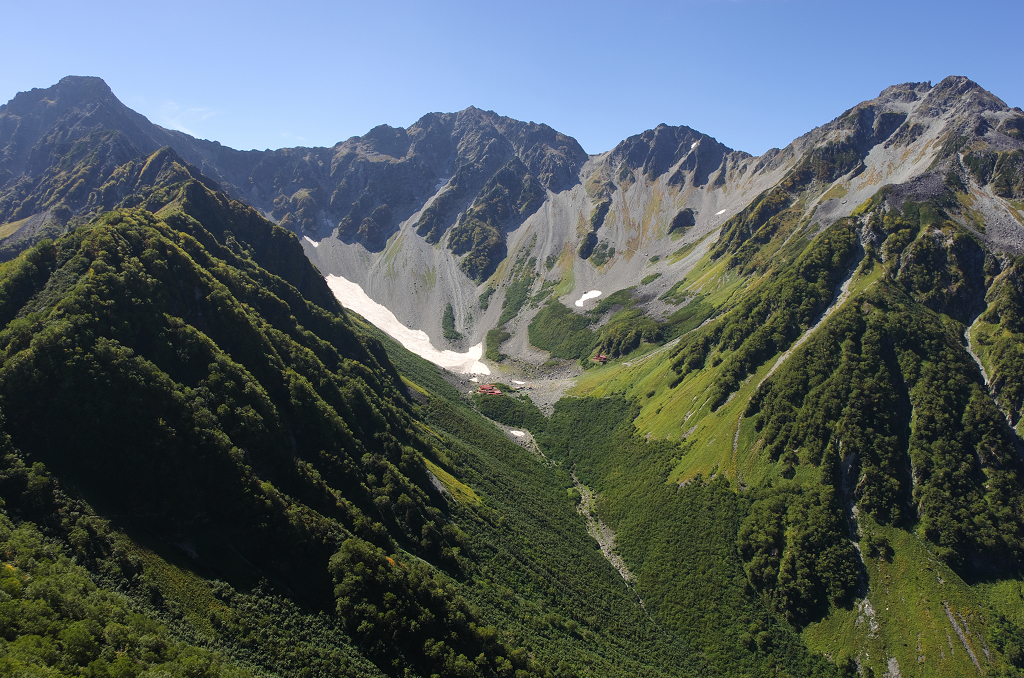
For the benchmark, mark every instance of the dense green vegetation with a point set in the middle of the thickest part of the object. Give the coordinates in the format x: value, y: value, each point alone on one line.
x: 1001, y: 336
x: 963, y: 457
x: 241, y: 390
x: 269, y: 487
x: 539, y: 572
x: 512, y: 410
x: 796, y: 548
x: 208, y: 467
x: 1004, y: 171
x: 243, y: 415
x: 681, y: 542
x: 561, y: 332
x: 767, y: 322
x: 485, y: 297
x: 56, y: 621
x: 883, y: 398
x: 877, y: 431
x: 492, y: 341
x: 567, y: 335
x: 602, y: 254
x: 515, y: 297
x: 448, y: 324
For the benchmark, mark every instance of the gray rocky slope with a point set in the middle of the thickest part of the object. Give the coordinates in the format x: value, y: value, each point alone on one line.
x: 460, y: 203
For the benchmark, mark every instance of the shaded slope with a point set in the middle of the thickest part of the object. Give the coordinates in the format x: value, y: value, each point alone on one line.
x: 179, y: 413
x: 193, y: 402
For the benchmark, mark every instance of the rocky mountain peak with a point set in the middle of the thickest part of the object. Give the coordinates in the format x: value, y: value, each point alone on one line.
x: 656, y: 151
x: 960, y: 95
x: 71, y: 91
x: 385, y: 140
x: 907, y: 92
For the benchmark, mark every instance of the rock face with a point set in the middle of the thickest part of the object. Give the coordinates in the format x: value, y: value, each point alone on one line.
x: 460, y: 203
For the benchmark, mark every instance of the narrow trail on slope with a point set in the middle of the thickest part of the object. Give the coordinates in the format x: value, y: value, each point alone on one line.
x: 735, y: 450
x: 842, y: 292
x: 662, y: 349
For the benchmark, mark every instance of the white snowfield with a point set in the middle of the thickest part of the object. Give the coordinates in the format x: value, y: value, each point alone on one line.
x: 352, y: 296
x: 312, y: 242
x: 589, y: 295
x: 517, y: 434
x: 719, y: 212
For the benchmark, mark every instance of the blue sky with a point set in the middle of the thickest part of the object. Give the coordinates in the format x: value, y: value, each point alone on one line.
x: 752, y: 73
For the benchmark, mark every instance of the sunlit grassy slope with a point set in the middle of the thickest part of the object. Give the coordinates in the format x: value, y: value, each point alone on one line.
x: 912, y: 609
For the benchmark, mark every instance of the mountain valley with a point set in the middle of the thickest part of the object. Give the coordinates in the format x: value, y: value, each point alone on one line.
x: 788, y: 389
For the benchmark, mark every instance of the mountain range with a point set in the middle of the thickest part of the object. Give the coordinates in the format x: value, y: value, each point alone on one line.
x: 792, y: 425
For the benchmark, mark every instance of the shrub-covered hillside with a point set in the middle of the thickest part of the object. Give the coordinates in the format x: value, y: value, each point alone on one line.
x: 206, y: 472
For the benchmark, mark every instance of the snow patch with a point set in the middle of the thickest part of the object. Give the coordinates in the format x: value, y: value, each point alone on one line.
x: 592, y: 294
x: 312, y: 242
x: 352, y: 296
x: 694, y: 145
x: 719, y: 212
x: 518, y: 383
x: 517, y: 434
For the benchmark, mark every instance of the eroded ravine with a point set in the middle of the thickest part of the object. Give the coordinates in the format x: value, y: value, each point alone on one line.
x: 841, y: 294
x: 977, y: 359
x: 984, y: 374
x: 596, y: 528
x: 603, y: 534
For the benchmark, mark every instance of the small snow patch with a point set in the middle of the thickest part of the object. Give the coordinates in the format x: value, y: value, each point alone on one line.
x: 694, y: 145
x: 719, y: 212
x: 351, y: 295
x: 592, y: 294
x: 517, y: 434
x: 518, y: 383
x: 312, y: 242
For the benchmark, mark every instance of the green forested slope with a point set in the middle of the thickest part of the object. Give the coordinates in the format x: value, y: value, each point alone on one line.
x: 247, y: 484
x: 877, y: 467
x: 681, y: 542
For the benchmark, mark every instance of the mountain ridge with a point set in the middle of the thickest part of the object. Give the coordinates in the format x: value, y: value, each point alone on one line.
x: 485, y: 187
x: 798, y: 399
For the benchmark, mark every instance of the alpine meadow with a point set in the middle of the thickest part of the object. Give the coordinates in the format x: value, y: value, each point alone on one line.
x: 667, y: 410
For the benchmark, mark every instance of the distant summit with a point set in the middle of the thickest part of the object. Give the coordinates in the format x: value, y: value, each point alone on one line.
x: 471, y: 193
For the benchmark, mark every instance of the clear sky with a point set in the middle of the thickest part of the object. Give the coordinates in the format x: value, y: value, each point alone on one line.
x: 752, y: 73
